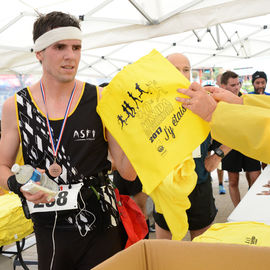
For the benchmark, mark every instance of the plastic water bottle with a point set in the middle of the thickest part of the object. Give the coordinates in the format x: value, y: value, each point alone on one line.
x: 26, y: 173
x: 23, y: 173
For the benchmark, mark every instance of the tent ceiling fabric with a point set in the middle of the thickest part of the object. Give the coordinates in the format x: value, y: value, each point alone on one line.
x: 118, y: 32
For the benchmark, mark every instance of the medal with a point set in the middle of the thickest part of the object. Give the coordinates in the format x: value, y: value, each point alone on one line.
x: 55, y: 169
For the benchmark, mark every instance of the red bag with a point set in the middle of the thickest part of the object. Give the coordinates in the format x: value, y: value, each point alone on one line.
x: 132, y: 218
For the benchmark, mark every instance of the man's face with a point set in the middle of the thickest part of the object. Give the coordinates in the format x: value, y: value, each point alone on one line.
x: 232, y: 85
x: 60, y: 61
x: 182, y: 64
x: 259, y: 86
x: 184, y: 69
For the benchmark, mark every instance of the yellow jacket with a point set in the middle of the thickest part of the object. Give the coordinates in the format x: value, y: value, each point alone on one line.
x: 245, y: 128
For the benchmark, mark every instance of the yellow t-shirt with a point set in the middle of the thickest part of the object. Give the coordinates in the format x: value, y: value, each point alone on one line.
x: 156, y: 133
x: 244, y: 233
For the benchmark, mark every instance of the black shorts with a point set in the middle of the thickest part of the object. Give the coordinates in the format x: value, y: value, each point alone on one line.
x: 236, y: 162
x: 74, y: 252
x: 125, y: 187
x: 202, y: 211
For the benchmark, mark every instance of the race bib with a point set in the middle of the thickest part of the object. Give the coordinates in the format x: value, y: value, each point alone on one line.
x: 66, y: 199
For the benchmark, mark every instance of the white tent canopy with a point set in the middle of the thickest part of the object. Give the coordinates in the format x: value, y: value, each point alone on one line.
x: 117, y: 32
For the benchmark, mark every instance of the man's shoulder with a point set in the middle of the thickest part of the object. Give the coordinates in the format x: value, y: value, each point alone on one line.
x: 9, y: 107
x: 9, y: 101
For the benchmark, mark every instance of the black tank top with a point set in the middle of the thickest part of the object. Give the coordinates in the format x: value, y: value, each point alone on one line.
x: 83, y: 149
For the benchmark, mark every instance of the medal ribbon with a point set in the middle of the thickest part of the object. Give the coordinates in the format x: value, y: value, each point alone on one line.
x: 56, y: 147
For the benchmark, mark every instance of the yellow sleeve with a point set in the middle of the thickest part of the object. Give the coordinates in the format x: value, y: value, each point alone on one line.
x: 257, y: 100
x: 244, y: 128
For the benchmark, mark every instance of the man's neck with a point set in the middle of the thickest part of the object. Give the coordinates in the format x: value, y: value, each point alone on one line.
x: 57, y: 96
x: 57, y: 89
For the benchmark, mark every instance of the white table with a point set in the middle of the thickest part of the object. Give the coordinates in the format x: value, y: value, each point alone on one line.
x: 254, y: 207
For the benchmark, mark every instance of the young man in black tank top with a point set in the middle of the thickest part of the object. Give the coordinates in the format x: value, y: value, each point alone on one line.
x: 61, y: 133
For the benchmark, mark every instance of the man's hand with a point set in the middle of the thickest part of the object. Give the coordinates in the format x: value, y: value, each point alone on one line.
x: 220, y: 94
x: 200, y: 102
x: 38, y: 197
x: 212, y: 162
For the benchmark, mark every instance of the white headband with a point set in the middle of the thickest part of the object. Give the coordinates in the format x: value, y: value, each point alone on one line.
x: 57, y: 34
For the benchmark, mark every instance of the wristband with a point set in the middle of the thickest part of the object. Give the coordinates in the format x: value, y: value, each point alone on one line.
x: 219, y: 153
x: 14, y: 186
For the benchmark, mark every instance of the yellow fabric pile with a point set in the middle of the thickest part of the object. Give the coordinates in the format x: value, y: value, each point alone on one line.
x: 245, y: 233
x: 13, y: 224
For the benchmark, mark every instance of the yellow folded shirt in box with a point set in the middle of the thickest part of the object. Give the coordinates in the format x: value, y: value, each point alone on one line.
x: 139, y: 109
x: 244, y: 233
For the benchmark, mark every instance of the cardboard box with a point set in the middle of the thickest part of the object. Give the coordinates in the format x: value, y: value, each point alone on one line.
x: 175, y: 255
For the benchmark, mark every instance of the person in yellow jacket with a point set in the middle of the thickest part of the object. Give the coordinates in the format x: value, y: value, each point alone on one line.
x: 241, y: 123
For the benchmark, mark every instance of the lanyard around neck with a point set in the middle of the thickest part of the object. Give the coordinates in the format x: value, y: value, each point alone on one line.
x: 56, y: 147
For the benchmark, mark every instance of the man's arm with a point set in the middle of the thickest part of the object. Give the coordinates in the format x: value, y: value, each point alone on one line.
x: 203, y: 100
x: 9, y: 145
x: 10, y: 140
x: 121, y: 162
x: 212, y: 161
x: 244, y: 128
x: 261, y: 101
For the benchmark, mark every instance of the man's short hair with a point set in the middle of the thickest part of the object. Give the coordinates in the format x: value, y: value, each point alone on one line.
x: 257, y: 75
x: 52, y: 20
x: 226, y: 76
